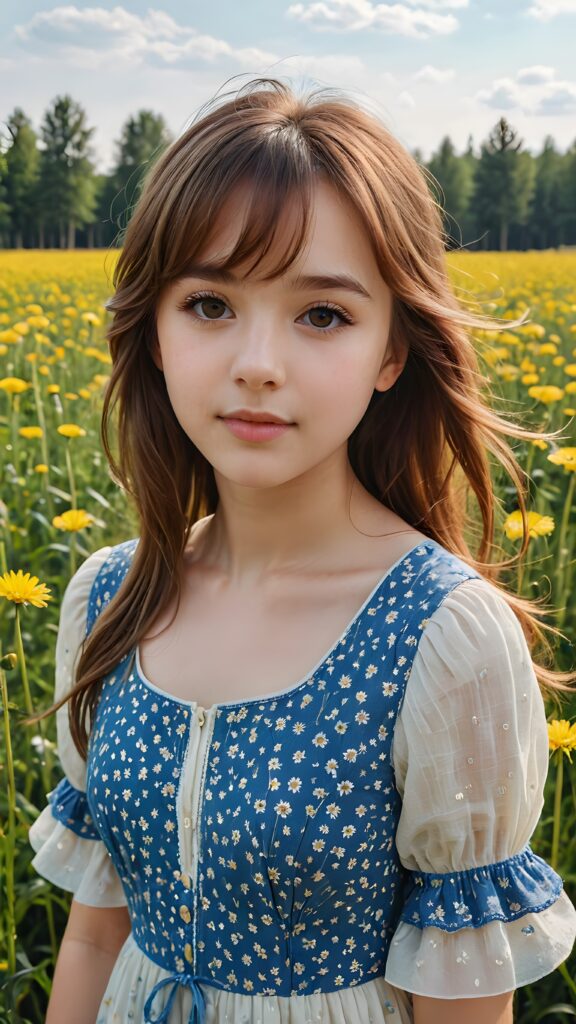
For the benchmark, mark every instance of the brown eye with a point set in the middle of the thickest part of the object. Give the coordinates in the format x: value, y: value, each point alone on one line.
x: 211, y: 309
x: 321, y: 316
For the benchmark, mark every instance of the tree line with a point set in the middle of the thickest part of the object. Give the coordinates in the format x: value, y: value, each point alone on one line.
x: 52, y: 196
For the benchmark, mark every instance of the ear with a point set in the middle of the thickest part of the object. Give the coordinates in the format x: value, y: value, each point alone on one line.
x: 391, y: 369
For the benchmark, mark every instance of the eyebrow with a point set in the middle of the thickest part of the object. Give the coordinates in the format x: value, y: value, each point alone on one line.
x: 305, y: 282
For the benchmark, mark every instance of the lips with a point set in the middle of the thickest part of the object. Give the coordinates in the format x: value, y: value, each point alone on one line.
x: 255, y: 417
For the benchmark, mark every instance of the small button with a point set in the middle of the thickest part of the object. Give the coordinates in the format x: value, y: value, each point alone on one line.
x: 200, y: 716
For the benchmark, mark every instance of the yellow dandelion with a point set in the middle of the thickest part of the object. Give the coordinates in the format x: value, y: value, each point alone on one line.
x: 53, y: 389
x: 570, y: 369
x: 538, y: 526
x: 565, y: 457
x: 91, y: 318
x: 3, y: 350
x: 38, y: 321
x: 13, y: 385
x: 34, y: 308
x: 71, y: 395
x: 72, y: 520
x: 570, y: 388
x: 84, y: 393
x: 540, y: 444
x: 31, y: 432
x: 41, y: 467
x: 71, y: 430
x: 562, y: 736
x: 546, y: 393
x: 22, y: 588
x: 11, y: 337
x: 530, y: 378
x: 21, y: 327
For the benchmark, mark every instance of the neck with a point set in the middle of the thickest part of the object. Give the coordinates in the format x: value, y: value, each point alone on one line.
x: 299, y: 525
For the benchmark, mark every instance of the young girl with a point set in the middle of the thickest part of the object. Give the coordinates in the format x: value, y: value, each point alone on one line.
x: 303, y: 738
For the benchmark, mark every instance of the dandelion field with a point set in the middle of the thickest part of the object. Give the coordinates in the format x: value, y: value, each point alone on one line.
x: 58, y: 503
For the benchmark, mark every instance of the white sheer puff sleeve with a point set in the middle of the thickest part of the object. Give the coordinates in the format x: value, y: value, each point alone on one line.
x: 481, y: 914
x: 69, y: 850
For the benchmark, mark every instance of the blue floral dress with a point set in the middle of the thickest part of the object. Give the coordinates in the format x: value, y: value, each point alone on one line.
x: 320, y: 853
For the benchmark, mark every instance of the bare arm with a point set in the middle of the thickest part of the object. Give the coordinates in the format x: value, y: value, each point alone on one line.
x: 93, y: 938
x: 484, y: 1010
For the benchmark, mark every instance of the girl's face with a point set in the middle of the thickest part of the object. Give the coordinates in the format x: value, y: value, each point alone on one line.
x: 310, y: 346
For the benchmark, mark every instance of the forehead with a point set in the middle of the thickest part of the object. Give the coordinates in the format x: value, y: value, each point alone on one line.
x: 334, y: 237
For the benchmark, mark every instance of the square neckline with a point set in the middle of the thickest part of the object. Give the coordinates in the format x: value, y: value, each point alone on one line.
x: 277, y: 694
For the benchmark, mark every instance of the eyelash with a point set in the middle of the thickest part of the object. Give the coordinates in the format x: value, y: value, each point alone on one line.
x: 191, y: 301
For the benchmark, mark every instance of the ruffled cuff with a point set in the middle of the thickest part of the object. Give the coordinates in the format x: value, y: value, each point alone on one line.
x: 73, y: 863
x: 503, y: 891
x: 488, y: 961
x: 70, y: 806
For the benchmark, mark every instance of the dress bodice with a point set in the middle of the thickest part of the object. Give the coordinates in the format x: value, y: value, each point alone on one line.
x: 255, y: 840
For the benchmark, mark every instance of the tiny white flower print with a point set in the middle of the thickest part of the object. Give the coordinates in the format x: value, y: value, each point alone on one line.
x: 362, y: 717
x: 320, y: 739
x: 283, y: 808
x: 345, y: 682
x: 350, y: 754
x: 259, y: 806
x: 345, y: 787
x: 294, y: 784
x: 389, y: 689
x: 371, y: 670
x: 348, y: 831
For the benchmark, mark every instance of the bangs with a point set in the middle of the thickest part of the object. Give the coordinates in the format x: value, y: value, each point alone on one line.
x: 271, y: 185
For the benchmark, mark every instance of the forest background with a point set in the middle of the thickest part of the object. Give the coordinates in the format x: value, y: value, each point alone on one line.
x: 498, y: 197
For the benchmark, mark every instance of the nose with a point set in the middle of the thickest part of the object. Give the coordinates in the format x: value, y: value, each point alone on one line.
x: 259, y: 357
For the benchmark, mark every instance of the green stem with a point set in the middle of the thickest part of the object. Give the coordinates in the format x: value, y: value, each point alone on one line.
x: 14, y: 424
x: 557, y: 809
x: 22, y: 664
x: 44, y: 439
x: 566, y: 975
x: 70, y: 476
x: 10, y: 834
x: 72, y: 553
x: 3, y: 562
x: 563, y: 563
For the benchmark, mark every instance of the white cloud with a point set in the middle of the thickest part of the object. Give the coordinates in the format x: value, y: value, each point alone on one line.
x: 415, y: 18
x: 545, y: 10
x: 535, y: 75
x: 406, y: 99
x: 95, y: 36
x: 503, y: 94
x: 431, y: 74
x: 534, y: 91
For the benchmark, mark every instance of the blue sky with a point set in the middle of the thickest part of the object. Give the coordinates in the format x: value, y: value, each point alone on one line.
x: 427, y: 67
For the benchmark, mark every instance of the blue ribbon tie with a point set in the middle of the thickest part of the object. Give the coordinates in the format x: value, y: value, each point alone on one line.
x: 198, y: 1002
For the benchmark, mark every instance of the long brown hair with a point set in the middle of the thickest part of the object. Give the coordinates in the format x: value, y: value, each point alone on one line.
x: 420, y: 447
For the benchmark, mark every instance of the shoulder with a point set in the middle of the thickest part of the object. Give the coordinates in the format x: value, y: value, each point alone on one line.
x: 472, y: 639
x: 75, y: 601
